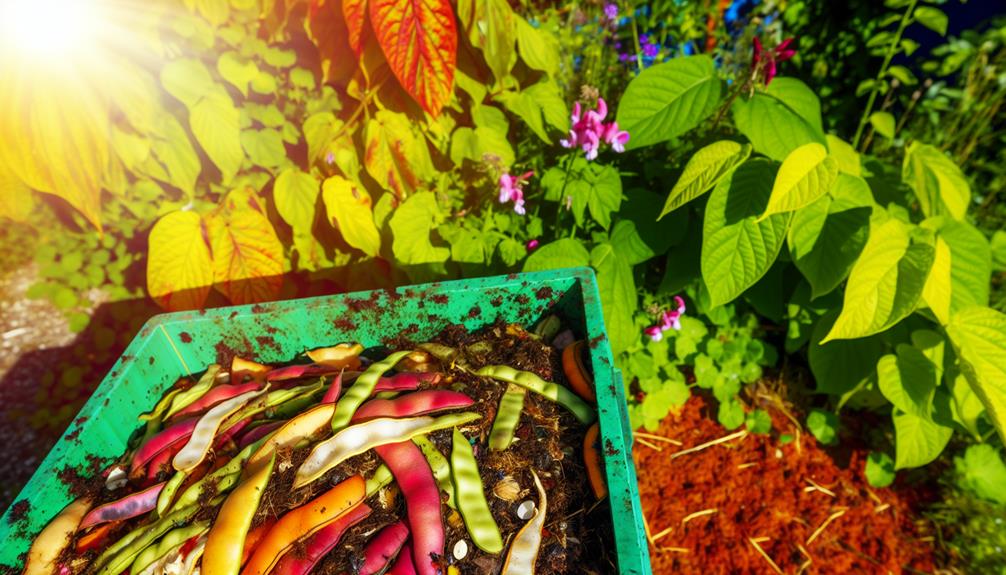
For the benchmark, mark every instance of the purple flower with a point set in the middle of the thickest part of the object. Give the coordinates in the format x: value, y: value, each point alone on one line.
x: 531, y: 245
x: 512, y: 188
x: 611, y: 12
x: 669, y: 319
x: 588, y: 130
x: 330, y: 158
x: 651, y: 50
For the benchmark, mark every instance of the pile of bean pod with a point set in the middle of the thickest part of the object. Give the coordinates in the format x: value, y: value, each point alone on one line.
x: 186, y: 498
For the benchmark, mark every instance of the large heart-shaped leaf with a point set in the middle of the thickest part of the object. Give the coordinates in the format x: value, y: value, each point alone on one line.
x: 918, y: 440
x: 179, y: 264
x: 420, y: 40
x: 886, y: 282
x: 908, y: 380
x: 247, y: 255
x: 979, y: 338
x: 668, y: 99
x: 295, y: 194
x: 826, y: 237
x: 411, y: 225
x: 784, y: 117
x: 737, y: 250
x: 564, y: 253
x: 349, y: 207
x: 939, y: 184
x: 237, y: 71
x: 326, y: 25
x: 704, y: 169
x: 355, y: 13
x: 806, y: 174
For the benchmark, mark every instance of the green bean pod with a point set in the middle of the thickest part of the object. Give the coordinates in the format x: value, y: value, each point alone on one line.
x: 171, y: 541
x: 225, y: 477
x: 507, y: 417
x: 471, y: 497
x: 168, y: 493
x: 186, y: 397
x: 270, y: 400
x: 440, y: 466
x: 557, y: 393
x: 163, y: 404
x: 361, y: 389
x: 381, y: 477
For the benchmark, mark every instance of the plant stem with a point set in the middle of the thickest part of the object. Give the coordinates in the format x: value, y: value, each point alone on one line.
x: 635, y: 40
x: 562, y: 194
x: 891, y: 49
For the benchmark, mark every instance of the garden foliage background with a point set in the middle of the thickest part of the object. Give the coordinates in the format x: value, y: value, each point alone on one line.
x: 819, y: 184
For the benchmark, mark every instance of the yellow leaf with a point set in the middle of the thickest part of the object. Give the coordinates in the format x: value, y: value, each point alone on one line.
x: 16, y: 200
x: 55, y: 134
x: 179, y: 264
x: 349, y: 207
x: 247, y: 255
x: 937, y: 290
x: 395, y: 156
x: 806, y: 174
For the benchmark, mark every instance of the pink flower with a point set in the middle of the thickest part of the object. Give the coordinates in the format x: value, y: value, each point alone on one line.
x: 766, y: 60
x: 512, y: 188
x: 588, y: 130
x: 669, y: 319
x: 531, y: 245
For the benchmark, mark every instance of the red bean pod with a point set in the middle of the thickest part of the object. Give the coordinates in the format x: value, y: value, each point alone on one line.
x: 298, y: 371
x: 422, y: 501
x: 128, y: 507
x: 215, y: 396
x: 162, y: 460
x: 383, y: 548
x: 404, y: 564
x: 162, y: 441
x: 231, y: 432
x: 406, y: 381
x: 257, y: 433
x: 416, y: 403
x: 318, y: 545
x: 333, y: 390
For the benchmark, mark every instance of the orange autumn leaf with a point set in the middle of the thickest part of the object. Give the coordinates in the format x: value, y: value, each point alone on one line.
x: 179, y: 262
x: 420, y: 40
x: 247, y: 254
x: 355, y: 12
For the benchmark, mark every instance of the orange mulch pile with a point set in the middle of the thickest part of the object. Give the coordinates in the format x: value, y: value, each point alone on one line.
x: 755, y: 505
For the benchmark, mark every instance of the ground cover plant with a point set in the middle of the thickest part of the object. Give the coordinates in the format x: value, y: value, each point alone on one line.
x: 759, y: 187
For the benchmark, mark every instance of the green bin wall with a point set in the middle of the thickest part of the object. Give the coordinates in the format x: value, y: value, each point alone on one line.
x: 176, y: 344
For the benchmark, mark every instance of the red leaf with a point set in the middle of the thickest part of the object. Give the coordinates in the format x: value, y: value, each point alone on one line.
x: 355, y: 12
x: 326, y: 27
x: 420, y: 40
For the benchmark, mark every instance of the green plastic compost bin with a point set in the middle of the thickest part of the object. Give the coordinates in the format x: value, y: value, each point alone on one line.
x: 176, y: 344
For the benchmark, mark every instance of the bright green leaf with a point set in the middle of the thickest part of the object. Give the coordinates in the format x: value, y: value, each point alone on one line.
x: 979, y: 338
x: 411, y: 225
x: 295, y: 195
x: 669, y: 99
x: 918, y: 440
x: 824, y: 426
x: 188, y: 80
x: 932, y: 18
x: 264, y: 147
x: 885, y: 284
x: 216, y: 125
x: 784, y: 117
x: 846, y: 156
x: 237, y: 71
x: 538, y: 48
x: 564, y: 253
x: 704, y: 170
x: 908, y: 380
x: 883, y: 123
x: 939, y: 184
x: 970, y: 261
x: 806, y: 174
x: 618, y: 296
x: 879, y: 469
x: 736, y: 249
x: 982, y: 472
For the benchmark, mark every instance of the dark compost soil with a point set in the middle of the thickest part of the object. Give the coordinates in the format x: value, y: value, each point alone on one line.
x: 757, y: 505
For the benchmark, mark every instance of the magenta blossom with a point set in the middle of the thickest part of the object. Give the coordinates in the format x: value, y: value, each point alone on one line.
x: 589, y: 130
x: 765, y: 60
x: 611, y: 12
x: 512, y: 188
x: 531, y: 245
x: 669, y: 319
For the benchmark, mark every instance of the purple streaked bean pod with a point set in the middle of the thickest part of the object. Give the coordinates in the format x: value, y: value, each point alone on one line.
x: 383, y: 548
x: 406, y: 381
x: 128, y: 507
x: 215, y: 396
x: 416, y: 403
x: 299, y: 371
x: 161, y: 441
